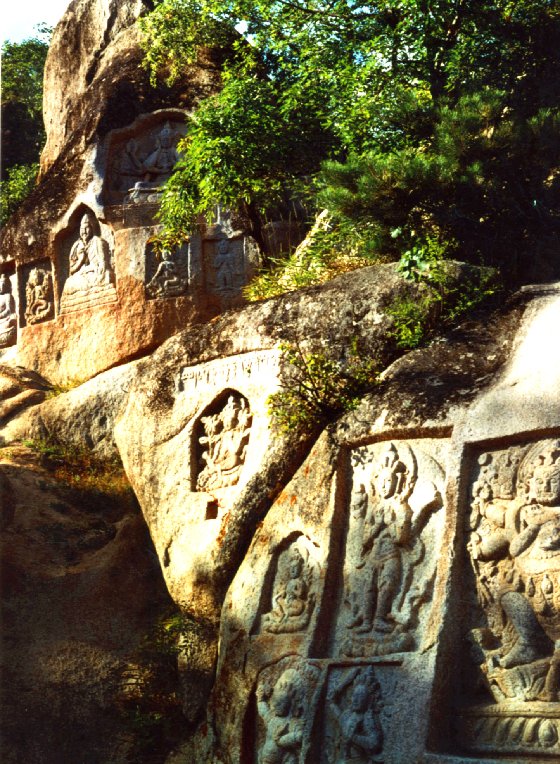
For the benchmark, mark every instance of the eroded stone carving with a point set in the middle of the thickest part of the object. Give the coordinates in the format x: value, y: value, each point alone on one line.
x: 286, y: 691
x: 354, y: 734
x: 224, y: 443
x: 8, y: 318
x: 387, y: 575
x: 39, y: 297
x: 170, y: 278
x: 293, y: 595
x: 90, y: 276
x: 228, y: 265
x: 514, y: 548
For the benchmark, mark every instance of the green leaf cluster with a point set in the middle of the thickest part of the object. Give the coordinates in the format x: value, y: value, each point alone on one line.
x: 317, y: 388
x: 17, y: 184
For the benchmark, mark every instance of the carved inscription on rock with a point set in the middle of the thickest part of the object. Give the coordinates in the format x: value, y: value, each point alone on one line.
x: 391, y: 548
x: 8, y: 317
x: 514, y: 551
x: 39, y: 296
x: 223, y: 435
x: 91, y: 276
x: 293, y: 597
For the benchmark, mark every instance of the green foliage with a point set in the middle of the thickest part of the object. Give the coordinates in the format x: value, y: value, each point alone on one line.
x: 17, y: 185
x: 436, y: 118
x: 317, y: 389
x: 444, y: 300
x: 23, y: 134
x: 78, y: 468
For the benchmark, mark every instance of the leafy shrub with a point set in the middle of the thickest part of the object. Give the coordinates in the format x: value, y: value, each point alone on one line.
x: 317, y: 389
x: 18, y: 184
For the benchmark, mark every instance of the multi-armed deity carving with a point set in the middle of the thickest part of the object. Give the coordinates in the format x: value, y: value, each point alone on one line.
x: 293, y: 592
x: 514, y: 548
x: 8, y: 317
x: 171, y: 276
x: 285, y: 693
x: 388, y: 575
x: 39, y: 297
x: 224, y: 444
x: 146, y: 161
x: 90, y: 272
x: 354, y: 732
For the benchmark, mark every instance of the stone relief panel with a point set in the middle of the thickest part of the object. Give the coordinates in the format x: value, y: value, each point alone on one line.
x: 513, y: 547
x: 8, y: 314
x: 226, y: 270
x: 167, y: 274
x: 392, y: 543
x: 291, y: 602
x: 285, y: 696
x: 223, y: 435
x: 141, y: 164
x: 353, y: 730
x: 90, y: 278
x: 38, y: 293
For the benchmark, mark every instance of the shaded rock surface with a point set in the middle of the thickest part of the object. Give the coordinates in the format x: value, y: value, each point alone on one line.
x: 81, y: 594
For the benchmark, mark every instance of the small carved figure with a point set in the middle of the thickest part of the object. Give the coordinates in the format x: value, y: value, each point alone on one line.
x: 225, y: 439
x: 38, y: 296
x: 281, y: 709
x: 90, y: 265
x: 168, y: 280
x: 355, y: 704
x: 226, y: 266
x: 292, y: 600
x: 8, y: 319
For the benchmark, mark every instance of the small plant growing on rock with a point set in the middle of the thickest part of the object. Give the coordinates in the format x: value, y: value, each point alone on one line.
x: 316, y: 388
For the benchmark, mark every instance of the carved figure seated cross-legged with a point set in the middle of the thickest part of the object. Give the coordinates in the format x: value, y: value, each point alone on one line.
x: 89, y: 261
x: 8, y: 320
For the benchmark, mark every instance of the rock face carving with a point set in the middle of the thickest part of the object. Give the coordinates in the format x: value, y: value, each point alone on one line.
x: 514, y: 549
x: 286, y: 691
x: 354, y: 733
x: 145, y: 162
x: 387, y: 572
x: 39, y: 297
x: 228, y: 267
x: 293, y: 595
x: 90, y: 275
x: 224, y: 443
x: 170, y: 278
x: 8, y: 318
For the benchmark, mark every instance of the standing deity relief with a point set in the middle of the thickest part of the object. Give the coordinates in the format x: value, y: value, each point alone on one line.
x: 90, y: 271
x: 514, y: 628
x: 8, y: 317
x: 223, y: 439
x: 389, y: 564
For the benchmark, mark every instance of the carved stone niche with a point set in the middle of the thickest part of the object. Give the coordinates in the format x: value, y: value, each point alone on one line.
x: 221, y: 436
x: 141, y: 157
x: 229, y: 264
x: 352, y: 728
x: 86, y: 270
x: 37, y: 301
x: 281, y: 719
x: 393, y: 536
x: 511, y: 680
x: 167, y: 274
x: 289, y: 594
x: 8, y: 309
